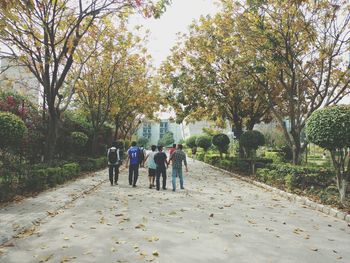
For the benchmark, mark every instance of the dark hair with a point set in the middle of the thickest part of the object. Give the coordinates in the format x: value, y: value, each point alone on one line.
x: 179, y: 146
x: 160, y: 148
x: 114, y: 144
x: 174, y: 145
x: 133, y: 143
x: 153, y: 148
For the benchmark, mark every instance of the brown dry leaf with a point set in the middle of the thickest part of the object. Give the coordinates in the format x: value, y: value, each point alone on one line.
x: 67, y: 259
x: 152, y: 239
x: 140, y: 226
x: 252, y: 222
x: 314, y: 249
x: 46, y: 258
x: 155, y: 253
x: 102, y: 220
x: 27, y: 232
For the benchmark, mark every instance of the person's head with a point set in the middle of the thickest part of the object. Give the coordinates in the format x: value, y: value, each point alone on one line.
x: 153, y: 148
x: 174, y: 145
x: 133, y: 144
x: 179, y: 146
x: 114, y: 144
x: 160, y: 148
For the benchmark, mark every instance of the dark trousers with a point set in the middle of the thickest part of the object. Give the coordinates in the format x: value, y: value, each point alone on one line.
x: 115, y: 169
x: 133, y: 173
x: 161, y: 171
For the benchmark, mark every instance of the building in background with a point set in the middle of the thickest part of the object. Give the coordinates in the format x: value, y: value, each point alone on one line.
x: 19, y: 79
x: 154, y: 130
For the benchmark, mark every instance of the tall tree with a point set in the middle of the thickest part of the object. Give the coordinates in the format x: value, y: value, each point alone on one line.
x: 297, y: 52
x: 44, y: 35
x: 205, y: 77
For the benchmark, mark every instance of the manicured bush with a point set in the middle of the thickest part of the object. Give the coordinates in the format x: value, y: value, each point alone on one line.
x: 79, y: 139
x: 70, y: 170
x: 54, y: 176
x: 204, y: 142
x: 292, y: 177
x: 200, y: 156
x: 222, y: 143
x: 12, y: 129
x: 251, y: 140
x: 191, y: 141
x: 36, y: 181
x: 329, y: 128
x: 211, y: 159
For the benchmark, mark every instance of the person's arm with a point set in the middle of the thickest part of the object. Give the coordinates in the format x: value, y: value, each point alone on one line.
x: 165, y: 160
x: 185, y: 162
x: 127, y: 160
x: 108, y: 156
x: 146, y: 157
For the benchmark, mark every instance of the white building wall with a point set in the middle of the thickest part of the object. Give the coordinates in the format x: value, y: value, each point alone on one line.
x: 19, y: 79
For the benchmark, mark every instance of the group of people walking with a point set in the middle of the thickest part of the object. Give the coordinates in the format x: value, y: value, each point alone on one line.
x: 156, y: 160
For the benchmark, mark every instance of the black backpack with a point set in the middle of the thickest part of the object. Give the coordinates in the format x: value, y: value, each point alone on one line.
x: 113, y: 156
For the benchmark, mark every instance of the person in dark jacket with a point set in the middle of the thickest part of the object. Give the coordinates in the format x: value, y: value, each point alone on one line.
x: 114, y: 161
x: 160, y: 159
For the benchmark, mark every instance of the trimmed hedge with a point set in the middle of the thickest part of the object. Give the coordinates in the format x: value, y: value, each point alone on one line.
x: 41, y: 177
x: 296, y: 177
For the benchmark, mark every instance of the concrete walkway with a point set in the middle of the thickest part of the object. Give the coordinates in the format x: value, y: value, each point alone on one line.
x: 216, y: 219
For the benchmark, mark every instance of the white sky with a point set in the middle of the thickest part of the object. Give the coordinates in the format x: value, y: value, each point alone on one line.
x: 176, y: 19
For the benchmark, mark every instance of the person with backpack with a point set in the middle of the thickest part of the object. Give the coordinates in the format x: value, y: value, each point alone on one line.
x: 160, y: 159
x: 151, y: 166
x: 134, y: 159
x: 178, y: 157
x: 113, y: 156
x: 142, y: 156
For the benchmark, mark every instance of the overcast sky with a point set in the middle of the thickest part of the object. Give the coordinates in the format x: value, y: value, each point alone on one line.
x: 176, y: 19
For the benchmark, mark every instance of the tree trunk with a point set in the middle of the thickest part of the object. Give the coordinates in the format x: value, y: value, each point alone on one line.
x: 343, y: 190
x: 94, y: 145
x: 238, y: 131
x: 51, y: 137
x: 296, y: 154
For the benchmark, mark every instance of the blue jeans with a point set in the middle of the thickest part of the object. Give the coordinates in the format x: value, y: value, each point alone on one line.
x: 177, y: 172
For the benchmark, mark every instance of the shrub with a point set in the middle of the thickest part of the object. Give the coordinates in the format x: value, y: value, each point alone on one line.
x: 12, y: 129
x: 211, y: 159
x: 54, y: 176
x: 251, y: 140
x: 70, y: 170
x: 191, y: 141
x: 167, y: 139
x: 203, y: 141
x: 277, y: 157
x: 200, y: 156
x: 142, y: 141
x: 36, y: 181
x: 292, y: 177
x: 79, y: 139
x: 329, y: 128
x: 222, y: 142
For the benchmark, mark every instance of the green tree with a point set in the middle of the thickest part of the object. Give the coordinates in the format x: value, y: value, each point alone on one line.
x: 204, y: 141
x: 44, y: 36
x: 167, y: 139
x: 222, y: 143
x: 12, y: 130
x: 250, y: 141
x: 143, y: 141
x: 295, y: 51
x: 191, y: 141
x: 329, y: 128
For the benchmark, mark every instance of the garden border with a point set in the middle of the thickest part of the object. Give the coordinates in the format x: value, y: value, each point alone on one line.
x: 325, y: 209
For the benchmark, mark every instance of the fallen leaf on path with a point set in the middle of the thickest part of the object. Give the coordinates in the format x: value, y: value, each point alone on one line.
x: 251, y: 222
x: 117, y: 215
x: 211, y: 215
x: 152, y: 239
x: 155, y: 253
x: 66, y: 238
x: 67, y: 259
x: 140, y: 226
x: 46, y: 258
x: 339, y: 258
x: 314, y: 249
x: 180, y: 232
x: 26, y: 233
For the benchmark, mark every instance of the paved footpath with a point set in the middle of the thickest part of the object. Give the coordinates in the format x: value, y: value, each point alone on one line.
x: 216, y: 219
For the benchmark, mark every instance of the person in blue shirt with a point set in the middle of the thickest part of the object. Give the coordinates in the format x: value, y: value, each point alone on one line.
x: 134, y: 158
